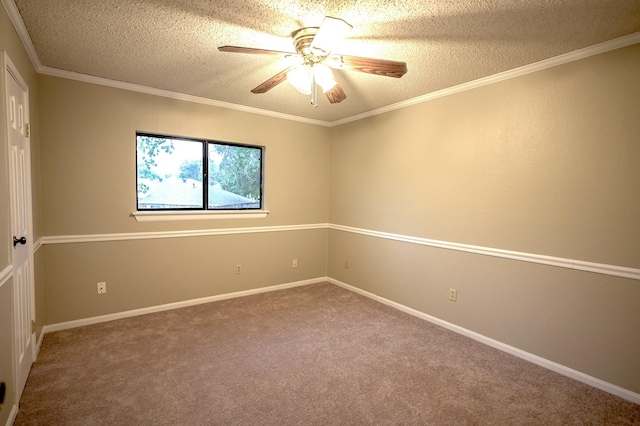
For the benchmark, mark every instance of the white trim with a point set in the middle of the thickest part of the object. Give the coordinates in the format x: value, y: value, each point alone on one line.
x: 39, y: 343
x: 600, y: 268
x: 495, y: 78
x: 37, y: 244
x: 5, y: 274
x: 553, y: 366
x: 550, y: 365
x: 12, y: 415
x: 506, y: 75
x: 176, y: 305
x: 63, y: 239
x: 586, y: 52
x: 172, y: 216
x: 173, y: 95
x: 18, y: 24
x: 21, y: 29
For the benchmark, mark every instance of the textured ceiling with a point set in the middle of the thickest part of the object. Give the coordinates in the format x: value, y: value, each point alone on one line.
x: 172, y: 44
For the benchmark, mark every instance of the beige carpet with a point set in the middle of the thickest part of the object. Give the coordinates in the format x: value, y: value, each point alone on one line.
x: 313, y: 355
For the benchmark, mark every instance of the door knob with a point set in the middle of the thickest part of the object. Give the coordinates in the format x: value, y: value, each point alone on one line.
x: 17, y: 241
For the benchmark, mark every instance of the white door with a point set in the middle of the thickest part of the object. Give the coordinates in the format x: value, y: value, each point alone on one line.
x: 17, y: 108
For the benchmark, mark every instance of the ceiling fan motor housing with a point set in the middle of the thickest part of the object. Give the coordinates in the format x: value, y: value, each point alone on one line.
x: 302, y: 40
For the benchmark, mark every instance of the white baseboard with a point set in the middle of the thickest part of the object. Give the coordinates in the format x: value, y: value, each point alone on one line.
x: 143, y: 311
x: 39, y: 343
x: 558, y: 368
x: 553, y: 366
x: 12, y: 415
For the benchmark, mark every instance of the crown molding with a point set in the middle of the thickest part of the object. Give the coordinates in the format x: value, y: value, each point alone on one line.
x: 586, y: 52
x: 18, y: 24
x: 55, y: 72
x: 21, y: 29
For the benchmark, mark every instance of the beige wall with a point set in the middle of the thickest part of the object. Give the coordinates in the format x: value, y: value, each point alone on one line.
x: 545, y: 163
x: 148, y: 273
x: 89, y: 148
x: 11, y: 44
x: 88, y: 170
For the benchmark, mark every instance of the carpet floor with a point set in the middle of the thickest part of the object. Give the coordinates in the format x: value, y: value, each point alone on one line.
x: 312, y: 355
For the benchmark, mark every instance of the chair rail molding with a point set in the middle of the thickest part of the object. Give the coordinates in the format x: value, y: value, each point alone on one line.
x: 579, y: 265
x: 599, y: 268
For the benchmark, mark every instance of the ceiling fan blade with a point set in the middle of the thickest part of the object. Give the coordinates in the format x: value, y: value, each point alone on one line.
x: 330, y: 33
x: 368, y: 65
x: 238, y: 49
x: 336, y: 94
x: 272, y: 82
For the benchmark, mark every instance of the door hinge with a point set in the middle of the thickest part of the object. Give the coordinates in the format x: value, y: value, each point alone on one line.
x: 27, y: 129
x: 33, y: 327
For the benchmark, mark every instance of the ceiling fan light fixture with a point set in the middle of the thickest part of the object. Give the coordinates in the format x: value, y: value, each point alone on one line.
x: 324, y: 77
x: 301, y: 77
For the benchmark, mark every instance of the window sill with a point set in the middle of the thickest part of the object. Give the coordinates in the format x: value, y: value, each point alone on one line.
x: 171, y: 216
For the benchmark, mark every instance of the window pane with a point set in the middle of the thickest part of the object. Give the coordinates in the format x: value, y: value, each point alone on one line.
x: 235, y: 177
x: 169, y: 173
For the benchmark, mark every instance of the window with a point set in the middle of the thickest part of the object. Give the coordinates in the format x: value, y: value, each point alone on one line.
x: 175, y: 173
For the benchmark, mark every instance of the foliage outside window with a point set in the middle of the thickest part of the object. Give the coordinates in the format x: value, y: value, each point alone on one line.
x: 171, y: 172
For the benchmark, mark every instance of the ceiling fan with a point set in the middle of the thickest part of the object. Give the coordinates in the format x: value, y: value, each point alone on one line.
x: 314, y: 55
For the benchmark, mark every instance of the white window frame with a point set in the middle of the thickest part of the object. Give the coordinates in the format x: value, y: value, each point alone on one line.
x: 162, y: 215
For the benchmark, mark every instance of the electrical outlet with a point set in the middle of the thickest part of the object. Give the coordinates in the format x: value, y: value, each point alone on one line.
x: 294, y: 263
x: 453, y: 294
x: 102, y: 288
x: 238, y: 268
x: 346, y: 264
